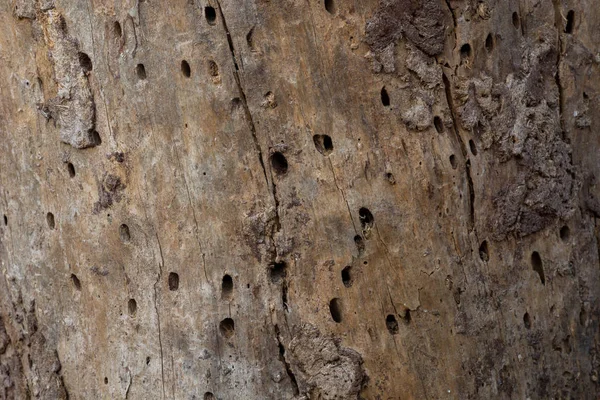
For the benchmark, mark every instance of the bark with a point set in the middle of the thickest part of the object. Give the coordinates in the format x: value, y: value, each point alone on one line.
x: 385, y: 199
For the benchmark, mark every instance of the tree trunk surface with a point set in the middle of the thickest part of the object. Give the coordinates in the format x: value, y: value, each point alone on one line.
x: 332, y: 199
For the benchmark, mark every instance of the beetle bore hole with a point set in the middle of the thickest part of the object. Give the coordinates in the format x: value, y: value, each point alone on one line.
x: 366, y: 218
x: 484, y: 252
x: 85, y: 62
x: 277, y: 272
x: 570, y: 22
x: 439, y: 125
x: 489, y: 42
x: 391, y: 324
x: 465, y: 51
x: 211, y: 15
x: 347, y: 276
x: 227, y: 328
x: 117, y: 29
x: 565, y: 233
x: 124, y: 233
x: 516, y: 20
x: 323, y: 144
x: 330, y: 6
x: 209, y: 396
x: 173, y: 281
x: 472, y: 147
x: 527, y: 320
x: 227, y: 287
x: 76, y: 282
x: 5, y: 220
x: 279, y: 163
x: 140, y: 71
x: 185, y: 69
x: 453, y: 161
x: 335, y: 308
x: 50, y: 220
x: 385, y: 97
x: 537, y: 265
x: 71, y: 169
x: 132, y: 307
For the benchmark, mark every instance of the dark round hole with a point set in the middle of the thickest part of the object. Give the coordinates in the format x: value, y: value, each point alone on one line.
x: 85, y: 62
x: 227, y: 287
x: 439, y: 125
x: 124, y: 233
x: 473, y: 147
x: 453, y: 161
x: 140, y: 71
x: 279, y: 163
x: 148, y: 360
x: 570, y: 22
x: 465, y: 51
x: 50, y: 220
x: 71, y: 169
x: 117, y: 29
x: 390, y: 178
x: 335, y: 308
x: 347, y: 276
x: 392, y: 324
x: 489, y: 43
x: 132, y: 307
x: 277, y: 271
x: 227, y: 328
x: 484, y: 252
x: 173, y: 281
x: 527, y: 320
x: 538, y: 266
x: 76, y: 281
x: 385, y: 98
x: 323, y: 144
x: 5, y: 220
x: 211, y: 14
x: 96, y: 139
x: 516, y: 20
x: 106, y: 380
x: 565, y: 233
x: 185, y: 69
x: 330, y: 6
x: 209, y: 396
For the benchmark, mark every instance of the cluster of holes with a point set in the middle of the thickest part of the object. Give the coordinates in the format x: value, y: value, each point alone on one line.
x: 347, y: 276
x: 76, y: 282
x: 173, y: 281
x: 132, y: 307
x: 323, y: 144
x: 279, y: 163
x: 50, y: 220
x: 185, y: 69
x: 227, y: 328
x: 385, y: 97
x: 227, y: 287
x: 124, y: 233
x: 335, y: 308
x: 537, y: 265
x: 211, y: 15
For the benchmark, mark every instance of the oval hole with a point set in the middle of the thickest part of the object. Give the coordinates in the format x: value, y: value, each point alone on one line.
x: 227, y: 328
x: 537, y: 265
x: 124, y: 233
x: 277, y: 272
x: 527, y: 320
x: 85, y: 62
x: 489, y: 42
x: 140, y: 71
x: 391, y: 324
x: 330, y: 6
x: 50, y: 220
x: 117, y: 29
x: 227, y: 287
x: 347, y: 276
x: 323, y: 144
x: 279, y: 163
x: 366, y: 218
x: 76, y: 281
x: 209, y: 396
x: 472, y: 147
x: 484, y: 252
x: 570, y: 21
x: 71, y: 169
x: 439, y: 125
x: 5, y: 220
x: 173, y: 281
x: 132, y: 307
x: 96, y: 139
x: 453, y: 161
x: 565, y: 233
x: 385, y: 97
x: 185, y: 69
x: 335, y: 308
x: 465, y: 51
x: 211, y: 15
x: 516, y: 20
x: 390, y: 178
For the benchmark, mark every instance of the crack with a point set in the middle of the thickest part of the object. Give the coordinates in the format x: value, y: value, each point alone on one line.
x: 453, y: 21
x: 286, y: 364
x: 343, y: 195
x: 160, y: 272
x: 242, y: 94
x: 128, y: 384
x: 463, y: 149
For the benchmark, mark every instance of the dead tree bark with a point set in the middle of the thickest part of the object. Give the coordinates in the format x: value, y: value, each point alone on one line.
x: 330, y: 199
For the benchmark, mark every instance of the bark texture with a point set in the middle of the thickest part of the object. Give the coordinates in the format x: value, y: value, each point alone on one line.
x: 332, y: 199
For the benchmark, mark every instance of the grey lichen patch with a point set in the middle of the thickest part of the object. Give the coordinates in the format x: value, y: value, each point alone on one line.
x: 73, y: 107
x: 422, y: 22
x: 323, y: 368
x: 109, y: 192
x: 520, y: 120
